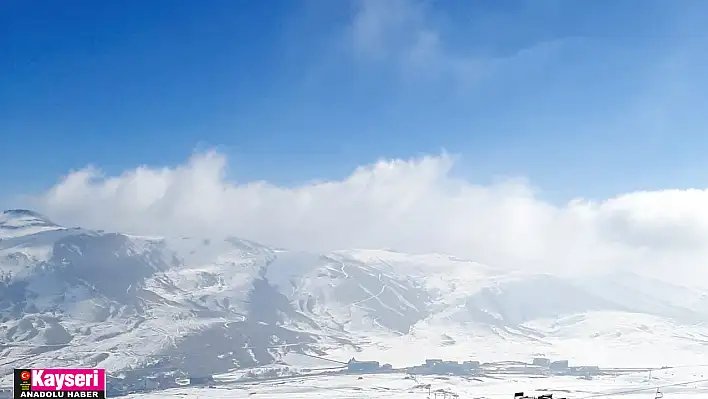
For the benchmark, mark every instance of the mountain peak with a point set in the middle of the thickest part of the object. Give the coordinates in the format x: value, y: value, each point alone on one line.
x: 15, y: 222
x: 22, y: 212
x: 26, y: 214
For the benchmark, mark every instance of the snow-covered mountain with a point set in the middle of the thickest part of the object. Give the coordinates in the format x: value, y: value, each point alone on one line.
x: 76, y: 297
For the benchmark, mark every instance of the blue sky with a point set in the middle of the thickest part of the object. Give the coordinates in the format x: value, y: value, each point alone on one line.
x: 583, y: 98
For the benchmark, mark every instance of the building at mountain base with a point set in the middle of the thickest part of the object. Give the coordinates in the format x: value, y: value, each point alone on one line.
x: 363, y: 366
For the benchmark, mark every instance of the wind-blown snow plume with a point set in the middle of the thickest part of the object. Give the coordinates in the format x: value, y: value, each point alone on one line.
x: 409, y: 205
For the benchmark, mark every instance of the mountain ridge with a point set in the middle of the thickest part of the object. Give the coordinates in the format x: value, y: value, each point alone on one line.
x: 135, y: 304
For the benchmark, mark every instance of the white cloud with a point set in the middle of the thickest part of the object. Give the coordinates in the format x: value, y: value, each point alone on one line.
x: 408, y: 36
x: 403, y: 34
x: 379, y: 26
x: 411, y: 206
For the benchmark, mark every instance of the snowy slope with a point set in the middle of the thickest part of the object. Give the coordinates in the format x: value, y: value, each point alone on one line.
x: 674, y: 383
x: 75, y: 297
x: 20, y: 222
x: 142, y: 305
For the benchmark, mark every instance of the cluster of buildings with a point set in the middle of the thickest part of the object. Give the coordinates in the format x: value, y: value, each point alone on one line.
x: 431, y: 366
x: 557, y: 365
x: 440, y: 366
x: 357, y: 366
x: 539, y: 366
x: 564, y: 368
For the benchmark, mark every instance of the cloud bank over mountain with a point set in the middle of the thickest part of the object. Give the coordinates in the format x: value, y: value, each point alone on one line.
x: 409, y: 205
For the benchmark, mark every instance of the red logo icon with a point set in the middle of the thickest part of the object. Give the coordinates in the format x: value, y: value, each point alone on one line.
x: 25, y: 375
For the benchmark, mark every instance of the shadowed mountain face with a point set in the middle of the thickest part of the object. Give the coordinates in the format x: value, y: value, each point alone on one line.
x: 73, y: 296
x: 140, y: 305
x: 108, y: 263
